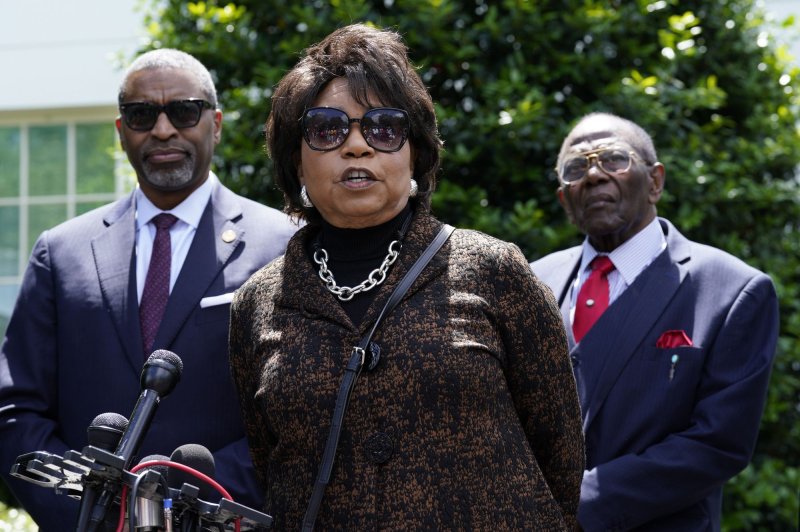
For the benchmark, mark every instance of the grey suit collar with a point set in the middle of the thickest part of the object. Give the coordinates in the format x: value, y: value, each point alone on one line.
x: 114, y: 256
x: 563, y: 273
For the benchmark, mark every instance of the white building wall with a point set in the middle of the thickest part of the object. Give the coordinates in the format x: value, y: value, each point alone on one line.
x: 64, y: 53
x: 61, y: 62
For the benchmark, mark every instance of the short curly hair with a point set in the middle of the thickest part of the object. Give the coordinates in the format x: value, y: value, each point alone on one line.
x: 375, y: 64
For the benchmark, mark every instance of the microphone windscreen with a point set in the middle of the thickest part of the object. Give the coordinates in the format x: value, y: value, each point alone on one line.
x: 106, y: 430
x: 163, y: 470
x: 167, y: 357
x: 161, y: 372
x: 198, y: 458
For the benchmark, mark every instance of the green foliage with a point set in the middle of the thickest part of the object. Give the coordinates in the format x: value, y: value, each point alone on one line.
x: 509, y: 78
x: 15, y: 520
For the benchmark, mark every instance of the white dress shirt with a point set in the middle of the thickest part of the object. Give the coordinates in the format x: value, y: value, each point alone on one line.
x: 188, y: 212
x: 630, y: 259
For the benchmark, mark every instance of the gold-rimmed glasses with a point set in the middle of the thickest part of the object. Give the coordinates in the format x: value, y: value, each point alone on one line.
x: 613, y: 161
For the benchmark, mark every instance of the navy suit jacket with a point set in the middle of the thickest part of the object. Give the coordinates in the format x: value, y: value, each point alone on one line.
x: 662, y: 441
x: 73, y: 347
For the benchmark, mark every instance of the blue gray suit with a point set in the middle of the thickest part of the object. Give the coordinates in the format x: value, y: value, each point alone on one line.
x: 73, y: 348
x: 666, y: 428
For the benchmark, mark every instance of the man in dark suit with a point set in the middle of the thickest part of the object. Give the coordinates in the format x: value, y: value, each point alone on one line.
x: 75, y: 345
x: 673, y: 374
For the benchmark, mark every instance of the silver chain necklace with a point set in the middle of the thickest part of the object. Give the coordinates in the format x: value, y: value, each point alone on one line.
x: 375, y: 277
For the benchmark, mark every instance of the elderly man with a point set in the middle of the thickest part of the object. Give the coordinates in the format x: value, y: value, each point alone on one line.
x: 671, y: 341
x: 92, y: 304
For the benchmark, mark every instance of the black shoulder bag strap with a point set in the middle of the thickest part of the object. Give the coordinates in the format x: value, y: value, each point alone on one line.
x: 354, y: 369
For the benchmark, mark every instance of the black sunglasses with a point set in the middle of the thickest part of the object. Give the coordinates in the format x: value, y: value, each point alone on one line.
x: 142, y: 116
x: 383, y: 128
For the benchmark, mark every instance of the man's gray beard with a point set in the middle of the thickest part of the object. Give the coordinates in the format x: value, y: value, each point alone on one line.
x: 173, y: 178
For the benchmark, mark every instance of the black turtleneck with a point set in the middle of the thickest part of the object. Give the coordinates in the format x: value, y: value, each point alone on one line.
x: 354, y: 253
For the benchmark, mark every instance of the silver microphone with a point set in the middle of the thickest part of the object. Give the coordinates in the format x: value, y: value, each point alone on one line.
x: 149, y: 513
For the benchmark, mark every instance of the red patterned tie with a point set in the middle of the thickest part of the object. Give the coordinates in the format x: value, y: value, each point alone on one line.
x: 156, y: 284
x: 592, y: 298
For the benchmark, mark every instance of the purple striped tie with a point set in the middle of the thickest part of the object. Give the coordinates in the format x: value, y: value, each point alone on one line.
x: 156, y: 284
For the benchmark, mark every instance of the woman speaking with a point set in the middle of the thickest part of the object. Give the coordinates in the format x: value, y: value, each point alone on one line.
x: 452, y: 407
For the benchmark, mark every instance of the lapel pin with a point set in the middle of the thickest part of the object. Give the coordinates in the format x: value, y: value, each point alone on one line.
x: 590, y: 302
x: 674, y: 361
x: 228, y: 236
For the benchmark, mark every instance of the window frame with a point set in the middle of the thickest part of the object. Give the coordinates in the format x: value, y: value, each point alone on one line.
x: 24, y: 120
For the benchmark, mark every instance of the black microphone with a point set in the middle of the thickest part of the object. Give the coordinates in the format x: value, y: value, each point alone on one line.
x: 160, y: 374
x: 200, y: 459
x: 104, y: 432
x: 150, y: 513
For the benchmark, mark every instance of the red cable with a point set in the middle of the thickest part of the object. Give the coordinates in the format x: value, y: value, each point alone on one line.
x: 182, y: 467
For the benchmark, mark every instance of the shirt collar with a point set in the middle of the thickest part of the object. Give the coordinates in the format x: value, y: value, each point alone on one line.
x: 634, y: 255
x: 188, y: 211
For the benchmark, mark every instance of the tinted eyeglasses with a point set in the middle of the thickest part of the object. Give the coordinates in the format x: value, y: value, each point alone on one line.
x: 383, y: 128
x: 142, y: 116
x: 613, y: 161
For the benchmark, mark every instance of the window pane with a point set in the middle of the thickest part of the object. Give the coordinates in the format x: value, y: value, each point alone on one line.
x: 95, y: 158
x: 8, y: 296
x: 9, y: 240
x: 48, y: 160
x: 43, y: 217
x: 9, y: 161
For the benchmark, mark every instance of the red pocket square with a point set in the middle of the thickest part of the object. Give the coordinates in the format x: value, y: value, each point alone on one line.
x: 672, y: 339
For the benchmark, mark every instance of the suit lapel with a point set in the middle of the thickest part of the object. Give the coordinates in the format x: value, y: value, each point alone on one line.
x: 559, y: 278
x: 562, y: 274
x: 619, y: 332
x: 565, y: 304
x: 208, y: 255
x: 114, y: 257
